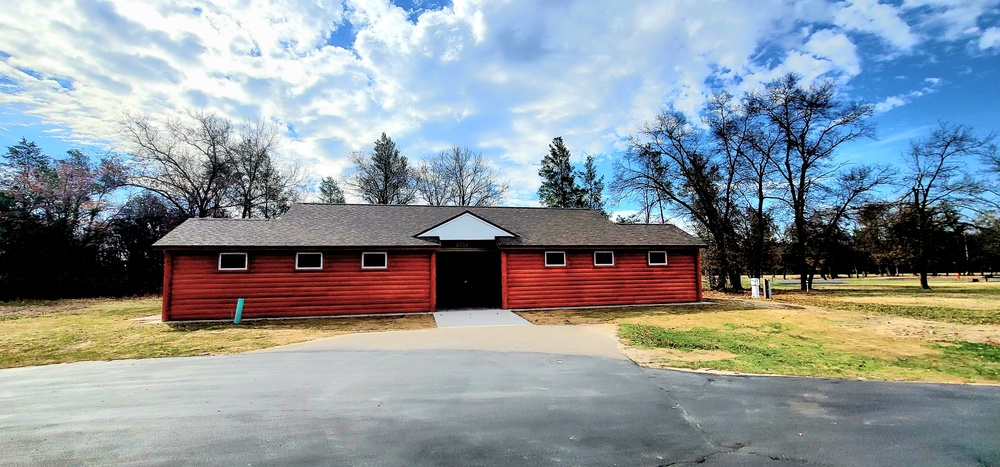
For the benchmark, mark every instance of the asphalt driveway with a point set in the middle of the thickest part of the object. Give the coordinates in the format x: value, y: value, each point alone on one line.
x: 466, y: 407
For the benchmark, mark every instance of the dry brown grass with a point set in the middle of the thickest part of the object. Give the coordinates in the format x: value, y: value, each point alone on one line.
x: 617, y: 314
x: 41, y: 333
x: 871, y: 339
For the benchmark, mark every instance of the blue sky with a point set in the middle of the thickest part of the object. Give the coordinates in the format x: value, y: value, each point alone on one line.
x: 502, y: 78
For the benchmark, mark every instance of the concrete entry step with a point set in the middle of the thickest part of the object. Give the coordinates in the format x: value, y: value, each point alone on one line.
x: 478, y: 317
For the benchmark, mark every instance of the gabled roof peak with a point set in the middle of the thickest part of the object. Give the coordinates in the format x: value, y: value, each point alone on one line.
x: 466, y: 226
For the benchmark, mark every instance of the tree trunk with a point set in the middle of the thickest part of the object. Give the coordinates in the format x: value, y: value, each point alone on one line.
x: 800, y: 254
x: 734, y: 279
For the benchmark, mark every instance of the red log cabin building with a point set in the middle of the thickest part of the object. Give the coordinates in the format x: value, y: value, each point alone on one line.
x: 344, y: 259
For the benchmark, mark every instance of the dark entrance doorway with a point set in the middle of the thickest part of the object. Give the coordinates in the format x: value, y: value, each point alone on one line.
x: 468, y: 279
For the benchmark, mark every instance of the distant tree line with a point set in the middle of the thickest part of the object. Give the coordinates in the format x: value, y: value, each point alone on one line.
x: 760, y: 179
x: 84, y: 226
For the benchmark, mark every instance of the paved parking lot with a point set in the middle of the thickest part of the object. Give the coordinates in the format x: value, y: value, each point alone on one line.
x: 465, y: 407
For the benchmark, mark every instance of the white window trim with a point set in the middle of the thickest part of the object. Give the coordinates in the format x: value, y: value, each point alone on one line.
x: 246, y: 261
x: 666, y: 259
x: 383, y: 253
x: 546, y: 259
x: 297, y: 268
x: 604, y: 251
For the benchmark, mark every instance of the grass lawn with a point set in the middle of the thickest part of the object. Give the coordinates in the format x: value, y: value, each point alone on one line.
x: 886, y: 329
x: 873, y: 328
x: 46, y: 332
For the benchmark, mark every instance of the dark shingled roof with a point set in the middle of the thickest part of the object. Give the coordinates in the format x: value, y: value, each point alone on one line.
x: 368, y: 225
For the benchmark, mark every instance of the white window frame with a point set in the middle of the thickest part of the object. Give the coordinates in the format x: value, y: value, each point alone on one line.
x: 246, y: 261
x: 604, y: 251
x: 298, y: 268
x: 545, y: 258
x: 384, y: 255
x: 666, y: 258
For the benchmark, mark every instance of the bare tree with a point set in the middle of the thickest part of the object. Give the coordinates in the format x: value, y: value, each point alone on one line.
x: 672, y: 161
x: 811, y: 124
x: 383, y: 176
x: 992, y: 160
x: 260, y: 187
x: 188, y: 165
x: 938, y: 167
x: 432, y: 183
x: 740, y: 135
x: 460, y: 177
x: 474, y: 181
x: 205, y: 166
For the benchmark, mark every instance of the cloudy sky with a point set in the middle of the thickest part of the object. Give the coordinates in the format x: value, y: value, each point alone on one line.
x: 500, y: 77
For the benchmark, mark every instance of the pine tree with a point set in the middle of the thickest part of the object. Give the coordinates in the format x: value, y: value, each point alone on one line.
x: 592, y: 186
x: 559, y: 188
x: 384, y: 176
x: 330, y: 192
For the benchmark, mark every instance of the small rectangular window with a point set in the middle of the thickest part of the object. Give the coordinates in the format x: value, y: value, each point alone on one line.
x: 555, y: 258
x: 657, y: 258
x: 232, y: 261
x: 308, y: 260
x: 604, y: 258
x: 374, y: 260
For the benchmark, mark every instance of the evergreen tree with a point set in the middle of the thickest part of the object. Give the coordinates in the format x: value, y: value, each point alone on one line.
x: 559, y: 188
x: 330, y: 192
x: 592, y: 186
x: 384, y: 176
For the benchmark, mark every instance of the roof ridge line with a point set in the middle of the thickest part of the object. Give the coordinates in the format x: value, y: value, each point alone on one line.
x: 444, y: 206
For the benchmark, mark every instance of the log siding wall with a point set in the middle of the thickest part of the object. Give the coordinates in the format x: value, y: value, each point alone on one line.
x: 194, y: 288
x: 631, y: 281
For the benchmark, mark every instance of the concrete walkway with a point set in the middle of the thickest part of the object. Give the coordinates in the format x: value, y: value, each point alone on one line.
x: 596, y: 340
x: 478, y: 317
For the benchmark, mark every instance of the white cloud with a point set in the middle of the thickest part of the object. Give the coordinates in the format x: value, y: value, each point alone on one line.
x: 990, y: 38
x: 889, y: 103
x: 877, y: 18
x: 949, y: 19
x: 503, y: 78
x: 836, y: 48
x: 932, y: 85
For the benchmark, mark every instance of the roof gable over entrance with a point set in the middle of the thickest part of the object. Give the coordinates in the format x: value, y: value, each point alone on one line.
x: 465, y: 226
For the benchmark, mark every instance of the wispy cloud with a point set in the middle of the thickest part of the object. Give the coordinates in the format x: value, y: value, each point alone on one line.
x: 930, y: 85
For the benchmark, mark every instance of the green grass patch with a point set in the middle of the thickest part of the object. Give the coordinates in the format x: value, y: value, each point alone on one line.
x: 772, y: 349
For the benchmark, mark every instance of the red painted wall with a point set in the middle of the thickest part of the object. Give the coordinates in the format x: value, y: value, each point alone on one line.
x: 194, y: 288
x: 530, y: 284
